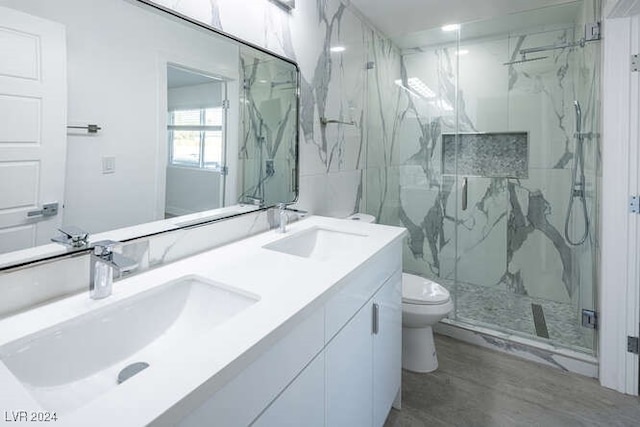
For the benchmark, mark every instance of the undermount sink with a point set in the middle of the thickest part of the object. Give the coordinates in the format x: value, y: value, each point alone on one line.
x: 65, y: 366
x: 318, y: 243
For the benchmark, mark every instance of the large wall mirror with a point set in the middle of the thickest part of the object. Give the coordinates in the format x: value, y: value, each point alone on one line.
x: 114, y: 113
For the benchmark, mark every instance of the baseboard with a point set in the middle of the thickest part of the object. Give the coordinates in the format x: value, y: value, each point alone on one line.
x: 546, y: 354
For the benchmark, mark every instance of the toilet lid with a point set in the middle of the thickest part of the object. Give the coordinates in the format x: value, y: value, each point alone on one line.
x: 418, y: 290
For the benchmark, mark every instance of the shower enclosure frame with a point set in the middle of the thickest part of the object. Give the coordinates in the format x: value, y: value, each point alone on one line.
x: 587, y: 362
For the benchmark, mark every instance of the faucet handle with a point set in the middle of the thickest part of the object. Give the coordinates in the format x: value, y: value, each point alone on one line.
x: 256, y: 201
x: 104, y: 247
x: 72, y: 236
x: 104, y: 250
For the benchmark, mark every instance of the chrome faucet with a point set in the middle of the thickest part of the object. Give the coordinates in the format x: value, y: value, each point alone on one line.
x: 103, y: 263
x: 284, y: 213
x: 284, y: 218
x: 72, y: 236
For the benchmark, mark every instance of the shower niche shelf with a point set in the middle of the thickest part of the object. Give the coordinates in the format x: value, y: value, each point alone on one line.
x: 491, y: 155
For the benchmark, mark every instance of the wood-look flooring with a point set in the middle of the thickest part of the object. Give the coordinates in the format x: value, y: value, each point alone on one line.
x: 478, y: 387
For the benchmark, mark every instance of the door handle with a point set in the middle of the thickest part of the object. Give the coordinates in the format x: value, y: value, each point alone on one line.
x: 465, y: 196
x: 48, y: 209
x: 376, y: 319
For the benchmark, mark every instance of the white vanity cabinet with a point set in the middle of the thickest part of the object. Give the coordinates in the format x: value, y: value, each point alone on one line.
x: 354, y: 381
x: 247, y: 395
x: 349, y: 369
x: 387, y: 348
x: 300, y: 329
x: 341, y: 366
x: 363, y: 361
x: 301, y: 403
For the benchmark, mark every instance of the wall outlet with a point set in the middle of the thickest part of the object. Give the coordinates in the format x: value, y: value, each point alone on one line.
x: 108, y: 165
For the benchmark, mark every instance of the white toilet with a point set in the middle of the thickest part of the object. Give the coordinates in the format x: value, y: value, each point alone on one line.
x: 424, y: 303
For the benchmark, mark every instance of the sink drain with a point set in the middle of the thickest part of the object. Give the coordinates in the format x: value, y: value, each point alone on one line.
x: 131, y: 370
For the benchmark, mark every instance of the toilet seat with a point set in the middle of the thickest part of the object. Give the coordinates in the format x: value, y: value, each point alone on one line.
x: 420, y: 291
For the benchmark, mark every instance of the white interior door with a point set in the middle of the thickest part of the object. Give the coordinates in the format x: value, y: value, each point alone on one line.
x: 33, y: 105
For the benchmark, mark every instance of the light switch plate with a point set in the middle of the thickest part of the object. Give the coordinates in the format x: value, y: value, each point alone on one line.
x: 108, y: 165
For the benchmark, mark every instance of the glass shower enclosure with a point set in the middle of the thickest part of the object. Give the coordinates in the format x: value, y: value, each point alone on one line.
x: 497, y: 170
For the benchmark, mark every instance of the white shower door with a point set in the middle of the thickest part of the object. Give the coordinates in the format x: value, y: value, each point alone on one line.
x: 33, y: 105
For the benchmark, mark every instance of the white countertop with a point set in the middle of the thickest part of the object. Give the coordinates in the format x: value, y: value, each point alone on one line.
x: 290, y: 288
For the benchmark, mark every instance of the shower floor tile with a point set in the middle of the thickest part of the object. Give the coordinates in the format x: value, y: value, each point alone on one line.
x: 497, y: 308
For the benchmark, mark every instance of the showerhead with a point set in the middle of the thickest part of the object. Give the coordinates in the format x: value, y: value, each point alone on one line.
x: 525, y: 59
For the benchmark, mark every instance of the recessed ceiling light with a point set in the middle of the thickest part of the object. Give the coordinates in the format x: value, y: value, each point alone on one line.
x: 338, y: 49
x: 451, y: 27
x: 417, y: 87
x: 462, y: 52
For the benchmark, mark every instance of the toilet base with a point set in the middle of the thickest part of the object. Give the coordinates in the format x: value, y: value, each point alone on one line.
x: 418, y: 350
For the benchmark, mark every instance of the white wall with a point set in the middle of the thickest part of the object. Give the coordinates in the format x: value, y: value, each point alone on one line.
x: 115, y: 80
x: 191, y: 190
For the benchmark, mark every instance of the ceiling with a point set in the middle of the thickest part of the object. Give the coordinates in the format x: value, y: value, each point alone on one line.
x: 400, y: 18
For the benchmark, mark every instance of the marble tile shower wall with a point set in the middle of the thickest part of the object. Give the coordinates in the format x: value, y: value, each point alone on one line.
x: 334, y: 86
x: 511, y: 236
x: 267, y: 148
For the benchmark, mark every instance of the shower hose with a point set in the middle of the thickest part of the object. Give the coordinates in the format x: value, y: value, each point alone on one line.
x: 577, y: 183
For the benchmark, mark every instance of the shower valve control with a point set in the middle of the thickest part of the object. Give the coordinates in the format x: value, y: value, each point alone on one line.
x: 592, y: 31
x: 589, y: 319
x: 634, y: 204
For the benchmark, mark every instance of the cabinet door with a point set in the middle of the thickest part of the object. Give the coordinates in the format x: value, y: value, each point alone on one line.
x: 387, y: 348
x: 246, y: 396
x: 349, y: 366
x: 301, y: 403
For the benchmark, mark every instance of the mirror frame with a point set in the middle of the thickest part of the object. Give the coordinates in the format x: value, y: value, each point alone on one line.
x: 179, y: 17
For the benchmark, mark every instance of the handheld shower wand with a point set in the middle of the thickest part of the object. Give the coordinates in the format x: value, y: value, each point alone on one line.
x: 576, y: 105
x: 577, y: 182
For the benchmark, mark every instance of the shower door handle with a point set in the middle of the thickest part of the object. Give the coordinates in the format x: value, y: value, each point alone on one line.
x: 465, y: 186
x: 376, y: 319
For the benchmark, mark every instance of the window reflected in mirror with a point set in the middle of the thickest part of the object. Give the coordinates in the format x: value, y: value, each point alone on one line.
x: 195, y: 130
